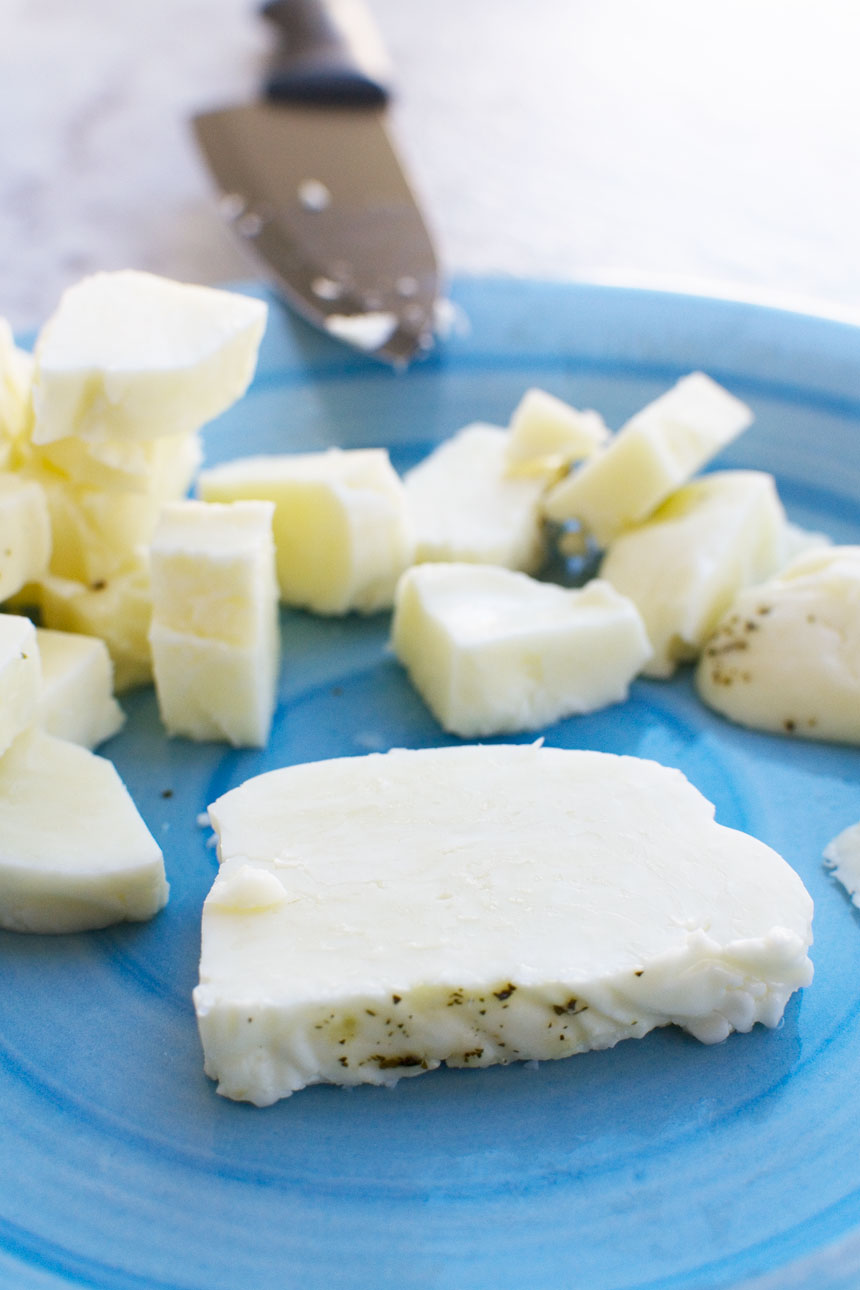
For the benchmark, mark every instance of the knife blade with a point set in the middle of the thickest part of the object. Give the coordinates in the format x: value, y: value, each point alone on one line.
x: 312, y: 184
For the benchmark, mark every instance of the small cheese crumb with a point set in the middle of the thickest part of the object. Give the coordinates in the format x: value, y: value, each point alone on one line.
x: 842, y: 855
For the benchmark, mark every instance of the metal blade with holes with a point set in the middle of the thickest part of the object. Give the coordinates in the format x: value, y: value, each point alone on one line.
x: 319, y: 194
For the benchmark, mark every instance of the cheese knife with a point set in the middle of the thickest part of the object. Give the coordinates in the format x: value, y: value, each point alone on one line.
x: 311, y: 182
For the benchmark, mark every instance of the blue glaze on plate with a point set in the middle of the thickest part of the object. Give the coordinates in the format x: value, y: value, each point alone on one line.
x: 661, y: 1165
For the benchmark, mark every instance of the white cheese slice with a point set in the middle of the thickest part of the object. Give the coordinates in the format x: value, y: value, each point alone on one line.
x: 77, y: 700
x: 465, y: 506
x: 657, y: 450
x: 25, y: 533
x: 215, y: 635
x: 480, y: 905
x: 545, y: 434
x: 785, y: 655
x: 494, y: 651
x: 117, y: 609
x: 842, y: 855
x: 136, y: 356
x: 20, y: 677
x: 683, y: 567
x: 74, y: 852
x: 342, y: 531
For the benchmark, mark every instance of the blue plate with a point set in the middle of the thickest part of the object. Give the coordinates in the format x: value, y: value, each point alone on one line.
x: 661, y: 1164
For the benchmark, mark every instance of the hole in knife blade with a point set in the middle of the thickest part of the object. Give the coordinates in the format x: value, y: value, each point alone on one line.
x: 313, y: 195
x: 327, y: 288
x: 407, y: 286
x: 232, y: 205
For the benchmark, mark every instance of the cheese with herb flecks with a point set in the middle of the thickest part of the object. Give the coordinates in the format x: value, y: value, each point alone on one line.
x: 376, y: 916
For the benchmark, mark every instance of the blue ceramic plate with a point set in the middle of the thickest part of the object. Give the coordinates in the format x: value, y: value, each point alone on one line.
x: 661, y: 1164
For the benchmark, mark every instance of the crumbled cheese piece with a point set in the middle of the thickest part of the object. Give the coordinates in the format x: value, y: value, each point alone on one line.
x: 77, y: 700
x: 493, y: 651
x: 785, y: 655
x: 465, y: 506
x: 74, y: 852
x: 162, y: 468
x: 657, y: 450
x: 25, y: 533
x: 16, y: 375
x: 842, y: 855
x: 546, y: 434
x: 136, y: 356
x: 20, y: 677
x: 214, y: 635
x: 342, y: 532
x: 683, y: 567
x: 480, y: 905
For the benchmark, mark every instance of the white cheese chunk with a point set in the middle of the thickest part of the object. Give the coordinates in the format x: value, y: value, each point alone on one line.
x: 785, y: 655
x: 342, y: 532
x: 215, y: 635
x: 480, y: 905
x: 25, y: 533
x: 162, y: 467
x: 842, y: 855
x: 77, y: 700
x: 74, y: 852
x: 683, y: 567
x: 136, y: 356
x: 118, y: 609
x: 20, y: 677
x: 465, y: 506
x: 546, y: 434
x: 657, y: 450
x: 494, y: 651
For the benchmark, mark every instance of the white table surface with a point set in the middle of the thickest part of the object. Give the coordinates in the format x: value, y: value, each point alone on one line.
x: 676, y: 141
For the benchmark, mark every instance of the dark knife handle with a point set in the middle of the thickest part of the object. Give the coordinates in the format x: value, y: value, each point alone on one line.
x: 321, y: 56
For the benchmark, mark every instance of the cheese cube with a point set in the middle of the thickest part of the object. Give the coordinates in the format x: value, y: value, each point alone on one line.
x: 136, y: 356
x: 25, y: 533
x: 74, y: 852
x: 465, y: 506
x: 785, y: 655
x: 116, y: 609
x: 213, y: 689
x: 215, y: 636
x: 652, y: 455
x: 546, y: 434
x: 342, y: 532
x: 491, y: 650
x: 683, y: 567
x: 77, y: 700
x: 20, y: 677
x: 375, y: 916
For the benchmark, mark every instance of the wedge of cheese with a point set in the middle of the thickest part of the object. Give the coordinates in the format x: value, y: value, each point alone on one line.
x: 657, y: 450
x: 376, y: 916
x: 546, y: 434
x: 133, y: 356
x: 465, y: 506
x: 683, y: 567
x: 77, y: 700
x: 20, y: 677
x: 785, y: 655
x: 215, y: 635
x: 74, y: 852
x: 493, y: 651
x: 342, y: 531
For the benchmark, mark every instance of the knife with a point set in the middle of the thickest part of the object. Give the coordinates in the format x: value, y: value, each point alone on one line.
x: 312, y: 184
